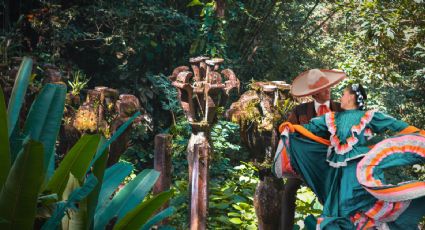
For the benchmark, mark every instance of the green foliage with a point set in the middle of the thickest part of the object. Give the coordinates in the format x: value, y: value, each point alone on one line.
x: 166, y: 93
x: 140, y: 215
x: 4, y: 140
x: 121, y: 43
x: 44, y: 120
x: 226, y: 141
x: 18, y: 197
x: 113, y: 41
x: 397, y: 174
x: 131, y: 195
x: 274, y: 40
x: 76, y: 162
x: 18, y: 93
x: 306, y: 204
x: 27, y: 176
x: 74, y: 193
x: 211, y: 39
x: 231, y: 201
x: 232, y: 183
x: 140, y: 153
x: 378, y: 43
x: 78, y: 82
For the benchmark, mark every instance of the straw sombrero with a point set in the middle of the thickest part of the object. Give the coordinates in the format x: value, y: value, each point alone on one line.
x: 314, y: 80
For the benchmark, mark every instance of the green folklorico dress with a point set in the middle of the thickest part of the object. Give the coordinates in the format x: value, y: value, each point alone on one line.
x: 348, y: 176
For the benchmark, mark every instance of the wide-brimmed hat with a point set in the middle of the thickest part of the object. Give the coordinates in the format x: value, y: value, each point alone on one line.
x: 314, y: 80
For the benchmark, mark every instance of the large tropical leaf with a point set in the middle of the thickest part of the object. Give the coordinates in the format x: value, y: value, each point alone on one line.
x: 16, y: 141
x: 18, y: 198
x: 76, y: 161
x: 128, y: 198
x: 92, y: 199
x: 45, y: 116
x: 120, y: 130
x: 114, y: 176
x: 137, y: 217
x: 76, y: 195
x: 4, y: 142
x: 18, y: 93
x: 142, y: 184
x: 75, y: 216
x: 158, y: 217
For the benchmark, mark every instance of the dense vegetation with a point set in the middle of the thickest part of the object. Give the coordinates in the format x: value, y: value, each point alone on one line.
x: 133, y: 45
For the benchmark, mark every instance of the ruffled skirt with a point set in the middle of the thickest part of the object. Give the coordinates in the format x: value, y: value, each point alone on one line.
x: 357, y: 195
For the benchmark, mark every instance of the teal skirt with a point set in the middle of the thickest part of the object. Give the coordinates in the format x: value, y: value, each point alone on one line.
x: 357, y: 195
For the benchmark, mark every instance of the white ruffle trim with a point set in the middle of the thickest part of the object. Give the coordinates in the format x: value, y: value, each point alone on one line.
x: 357, y: 129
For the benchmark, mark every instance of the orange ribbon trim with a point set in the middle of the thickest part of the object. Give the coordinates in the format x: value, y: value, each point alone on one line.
x: 410, y: 129
x: 303, y: 131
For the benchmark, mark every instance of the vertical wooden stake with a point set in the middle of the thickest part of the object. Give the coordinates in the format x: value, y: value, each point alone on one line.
x: 194, y: 212
x: 203, y: 183
x: 199, y: 197
x: 162, y: 164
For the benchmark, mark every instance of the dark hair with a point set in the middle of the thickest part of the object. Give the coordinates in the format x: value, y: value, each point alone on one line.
x: 360, y: 93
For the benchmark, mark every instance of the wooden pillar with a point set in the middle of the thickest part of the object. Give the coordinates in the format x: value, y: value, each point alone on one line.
x: 199, y: 188
x: 162, y: 162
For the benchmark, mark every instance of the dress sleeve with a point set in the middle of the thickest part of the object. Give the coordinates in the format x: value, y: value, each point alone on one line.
x: 317, y: 126
x: 382, y: 122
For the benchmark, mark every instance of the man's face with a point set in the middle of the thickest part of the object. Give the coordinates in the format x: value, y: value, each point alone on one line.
x: 323, y: 95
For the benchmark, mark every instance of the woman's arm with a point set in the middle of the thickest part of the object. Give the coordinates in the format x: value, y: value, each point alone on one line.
x: 382, y: 122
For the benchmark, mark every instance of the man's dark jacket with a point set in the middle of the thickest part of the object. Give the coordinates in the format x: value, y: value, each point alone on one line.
x: 303, y: 113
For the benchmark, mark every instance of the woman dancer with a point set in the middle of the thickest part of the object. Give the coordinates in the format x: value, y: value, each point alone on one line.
x: 332, y: 156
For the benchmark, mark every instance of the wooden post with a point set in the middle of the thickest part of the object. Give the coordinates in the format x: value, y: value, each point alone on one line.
x: 162, y: 162
x: 194, y: 194
x: 203, y: 183
x: 199, y: 190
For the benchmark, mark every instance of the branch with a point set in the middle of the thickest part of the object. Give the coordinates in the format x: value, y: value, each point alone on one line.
x: 321, y: 24
x: 306, y: 18
x: 258, y: 30
x: 309, y: 13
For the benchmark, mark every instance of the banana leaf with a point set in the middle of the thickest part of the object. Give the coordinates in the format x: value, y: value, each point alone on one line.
x: 114, y: 176
x: 137, y: 217
x: 92, y: 199
x: 4, y: 142
x: 75, y: 216
x: 44, y: 118
x: 120, y: 130
x: 16, y: 141
x: 76, y: 161
x: 75, y: 196
x: 158, y: 217
x: 18, y: 198
x: 145, y: 184
x: 18, y: 93
x: 128, y: 198
x: 51, y: 167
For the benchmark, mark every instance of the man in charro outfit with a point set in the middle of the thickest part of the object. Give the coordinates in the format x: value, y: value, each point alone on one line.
x: 316, y: 83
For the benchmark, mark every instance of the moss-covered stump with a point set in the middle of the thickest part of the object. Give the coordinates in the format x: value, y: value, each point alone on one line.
x: 258, y: 112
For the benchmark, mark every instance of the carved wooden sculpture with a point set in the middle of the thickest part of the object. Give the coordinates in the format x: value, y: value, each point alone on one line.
x: 200, y: 92
x: 104, y: 111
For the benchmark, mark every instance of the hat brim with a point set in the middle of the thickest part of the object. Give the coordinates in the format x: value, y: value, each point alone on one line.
x: 299, y: 87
